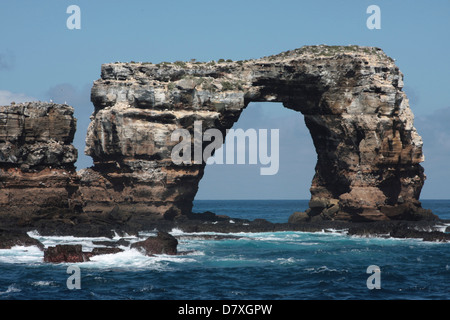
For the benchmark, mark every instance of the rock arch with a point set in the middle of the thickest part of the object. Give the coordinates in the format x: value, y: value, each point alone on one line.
x: 368, y: 150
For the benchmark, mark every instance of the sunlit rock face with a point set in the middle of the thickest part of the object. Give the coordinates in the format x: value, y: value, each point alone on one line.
x: 368, y: 151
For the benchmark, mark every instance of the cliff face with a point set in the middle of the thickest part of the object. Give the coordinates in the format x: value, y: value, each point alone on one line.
x: 36, y: 159
x: 368, y: 150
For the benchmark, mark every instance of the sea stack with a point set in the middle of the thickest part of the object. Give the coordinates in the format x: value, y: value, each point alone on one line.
x: 37, y: 171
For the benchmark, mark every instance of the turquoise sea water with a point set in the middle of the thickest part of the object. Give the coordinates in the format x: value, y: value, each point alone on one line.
x: 272, y: 266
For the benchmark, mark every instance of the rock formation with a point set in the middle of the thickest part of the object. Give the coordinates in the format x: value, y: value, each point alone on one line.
x: 65, y: 253
x: 163, y: 243
x: 73, y: 253
x: 12, y: 238
x: 368, y: 151
x: 37, y: 171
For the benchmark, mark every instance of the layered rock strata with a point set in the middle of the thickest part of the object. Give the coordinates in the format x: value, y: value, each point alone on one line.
x: 368, y: 151
x: 37, y: 171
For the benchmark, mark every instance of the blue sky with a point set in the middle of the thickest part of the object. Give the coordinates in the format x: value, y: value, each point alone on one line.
x: 41, y: 59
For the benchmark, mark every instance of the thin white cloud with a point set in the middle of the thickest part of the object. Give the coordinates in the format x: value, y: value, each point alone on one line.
x: 7, y: 59
x: 6, y: 97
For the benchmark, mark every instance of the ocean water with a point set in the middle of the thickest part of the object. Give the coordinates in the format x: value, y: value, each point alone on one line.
x: 269, y: 266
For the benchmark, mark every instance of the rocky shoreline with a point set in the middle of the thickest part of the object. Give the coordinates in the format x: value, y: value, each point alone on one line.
x: 195, y: 226
x: 109, y: 226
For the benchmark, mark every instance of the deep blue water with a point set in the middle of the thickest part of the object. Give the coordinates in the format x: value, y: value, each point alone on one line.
x: 282, y: 265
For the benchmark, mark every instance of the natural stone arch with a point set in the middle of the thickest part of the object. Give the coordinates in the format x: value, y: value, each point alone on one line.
x: 369, y: 152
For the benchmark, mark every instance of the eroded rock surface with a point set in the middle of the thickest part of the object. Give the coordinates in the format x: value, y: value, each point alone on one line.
x: 12, y: 238
x: 73, y: 253
x: 163, y: 243
x: 368, y: 151
x: 37, y: 159
x: 65, y: 253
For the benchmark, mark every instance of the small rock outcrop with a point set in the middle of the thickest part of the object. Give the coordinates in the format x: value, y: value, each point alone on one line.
x: 73, y: 253
x: 163, y: 243
x: 65, y: 253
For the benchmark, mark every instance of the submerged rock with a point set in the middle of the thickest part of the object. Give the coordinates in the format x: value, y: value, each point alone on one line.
x: 163, y: 243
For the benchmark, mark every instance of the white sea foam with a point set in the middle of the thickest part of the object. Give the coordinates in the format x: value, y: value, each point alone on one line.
x: 125, y: 235
x: 134, y: 259
x: 442, y: 227
x: 51, y: 241
x: 322, y: 269
x: 129, y: 258
x: 11, y: 289
x: 177, y: 232
x: 290, y: 235
x: 335, y: 231
x: 287, y: 261
x: 43, y: 283
x: 34, y: 234
x: 193, y: 253
x: 280, y: 235
x: 21, y: 254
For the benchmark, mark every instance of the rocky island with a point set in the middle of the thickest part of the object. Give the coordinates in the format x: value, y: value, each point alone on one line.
x: 368, y: 176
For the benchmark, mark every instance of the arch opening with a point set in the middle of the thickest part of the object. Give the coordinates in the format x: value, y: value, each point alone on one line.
x: 296, y: 159
x: 240, y: 190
